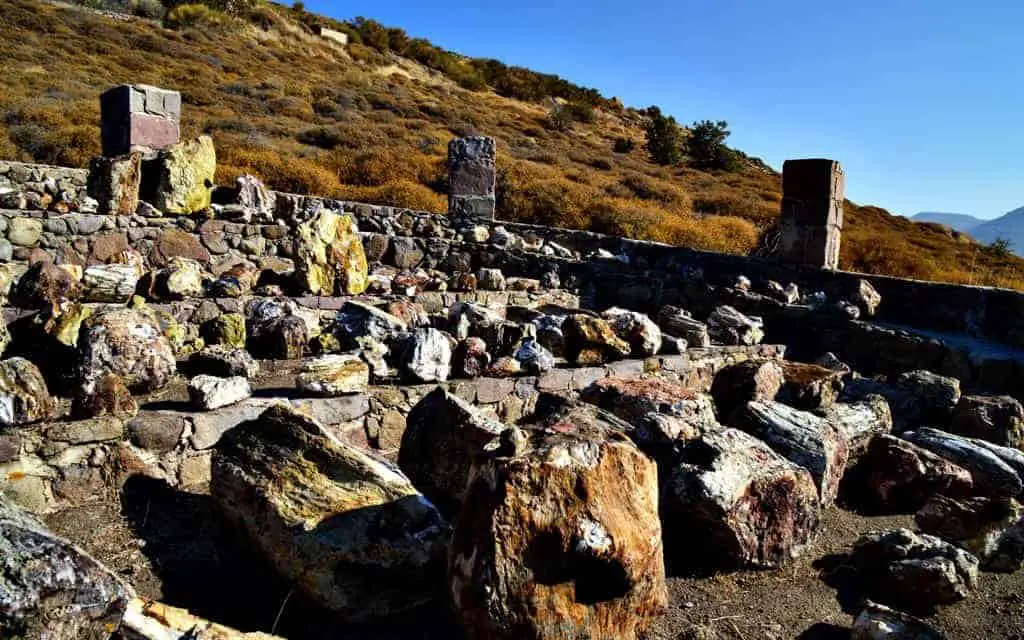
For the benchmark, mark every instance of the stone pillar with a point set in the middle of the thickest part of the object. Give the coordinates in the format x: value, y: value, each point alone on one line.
x: 138, y: 117
x: 812, y: 212
x: 471, y: 177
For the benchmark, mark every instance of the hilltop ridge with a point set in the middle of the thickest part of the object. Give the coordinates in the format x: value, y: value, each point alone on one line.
x: 363, y: 123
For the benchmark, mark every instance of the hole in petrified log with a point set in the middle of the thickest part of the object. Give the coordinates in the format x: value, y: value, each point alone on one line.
x: 554, y: 561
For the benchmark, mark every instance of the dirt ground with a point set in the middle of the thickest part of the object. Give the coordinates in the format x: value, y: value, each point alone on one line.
x: 172, y: 546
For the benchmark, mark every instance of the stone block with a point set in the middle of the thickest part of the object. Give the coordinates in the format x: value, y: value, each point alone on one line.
x: 812, y: 212
x: 114, y: 183
x: 471, y: 175
x: 139, y: 118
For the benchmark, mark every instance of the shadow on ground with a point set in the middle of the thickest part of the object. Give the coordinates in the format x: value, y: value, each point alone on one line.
x: 208, y: 568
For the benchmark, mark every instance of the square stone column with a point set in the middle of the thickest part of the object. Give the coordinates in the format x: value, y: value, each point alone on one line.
x: 812, y: 212
x: 139, y: 118
x: 471, y: 177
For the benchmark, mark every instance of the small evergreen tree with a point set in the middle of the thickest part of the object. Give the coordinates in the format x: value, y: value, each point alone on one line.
x: 706, y: 145
x: 664, y: 138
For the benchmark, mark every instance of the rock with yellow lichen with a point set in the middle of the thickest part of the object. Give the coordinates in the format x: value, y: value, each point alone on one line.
x: 349, y: 529
x: 558, y: 537
x: 329, y: 256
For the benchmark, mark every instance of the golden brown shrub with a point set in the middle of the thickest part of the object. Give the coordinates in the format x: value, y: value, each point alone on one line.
x: 398, y: 193
x: 290, y: 174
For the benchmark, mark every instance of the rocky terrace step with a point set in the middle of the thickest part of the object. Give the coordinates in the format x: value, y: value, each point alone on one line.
x: 49, y: 466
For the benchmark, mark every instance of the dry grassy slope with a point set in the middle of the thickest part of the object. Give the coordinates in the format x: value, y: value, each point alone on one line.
x: 311, y: 117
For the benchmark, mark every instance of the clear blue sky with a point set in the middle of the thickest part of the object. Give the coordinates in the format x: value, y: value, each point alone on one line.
x: 922, y: 101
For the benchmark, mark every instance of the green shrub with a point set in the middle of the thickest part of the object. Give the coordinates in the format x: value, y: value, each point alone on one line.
x: 706, y: 146
x: 153, y: 9
x: 664, y: 138
x: 623, y: 145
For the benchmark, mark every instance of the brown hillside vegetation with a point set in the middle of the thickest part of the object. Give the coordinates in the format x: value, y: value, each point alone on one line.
x: 359, y: 123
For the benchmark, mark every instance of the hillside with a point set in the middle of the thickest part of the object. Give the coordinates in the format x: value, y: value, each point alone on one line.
x: 362, y: 123
x: 1009, y: 227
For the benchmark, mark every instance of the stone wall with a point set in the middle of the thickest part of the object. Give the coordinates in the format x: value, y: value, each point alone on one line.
x: 42, y: 186
x: 608, y: 270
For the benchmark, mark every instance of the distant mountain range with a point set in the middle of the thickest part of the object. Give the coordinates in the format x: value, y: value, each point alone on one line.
x: 1009, y: 226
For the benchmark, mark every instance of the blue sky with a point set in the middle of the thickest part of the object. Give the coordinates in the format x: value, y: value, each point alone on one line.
x: 922, y: 102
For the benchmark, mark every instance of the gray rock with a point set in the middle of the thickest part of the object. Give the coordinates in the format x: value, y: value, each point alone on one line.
x: 50, y: 588
x: 866, y: 298
x: 157, y: 431
x: 916, y: 571
x: 728, y: 326
x: 442, y: 436
x: 993, y: 468
x: 357, y: 319
x: 126, y: 342
x: 802, y: 438
x: 490, y: 279
x: 878, y: 622
x: 427, y: 356
x: 679, y: 322
x: 224, y: 361
x: 860, y: 422
x: 997, y: 419
x: 533, y: 357
x: 990, y: 528
x: 932, y: 397
x: 643, y: 336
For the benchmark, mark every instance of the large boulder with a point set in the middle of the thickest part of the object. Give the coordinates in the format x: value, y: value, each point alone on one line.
x: 895, y: 475
x: 126, y: 342
x: 589, y: 340
x: 329, y: 257
x: 442, y: 436
x: 357, y: 320
x: 914, y: 571
x: 558, y: 538
x: 661, y: 412
x: 859, y: 422
x: 809, y: 386
x: 347, y: 528
x: 24, y: 397
x: 998, y: 419
x: 733, y: 502
x: 50, y: 588
x: 926, y: 398
x: 185, y: 173
x: 802, y: 438
x: 274, y: 331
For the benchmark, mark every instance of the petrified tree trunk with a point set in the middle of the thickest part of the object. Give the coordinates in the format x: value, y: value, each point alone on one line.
x: 859, y: 422
x: 559, y: 538
x: 51, y: 589
x: 995, y: 469
x: 156, y: 621
x: 349, y: 529
x: 110, y: 282
x: 733, y: 502
x: 802, y: 438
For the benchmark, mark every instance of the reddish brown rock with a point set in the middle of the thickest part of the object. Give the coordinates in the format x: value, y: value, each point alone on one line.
x: 997, y: 419
x: 809, y: 386
x: 532, y: 558
x: 470, y: 358
x: 109, y: 397
x: 733, y: 502
x: 173, y: 243
x: 736, y: 385
x: 411, y: 313
x: 106, y: 246
x: 896, y: 475
x: 687, y: 414
x: 45, y: 286
x: 990, y: 528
